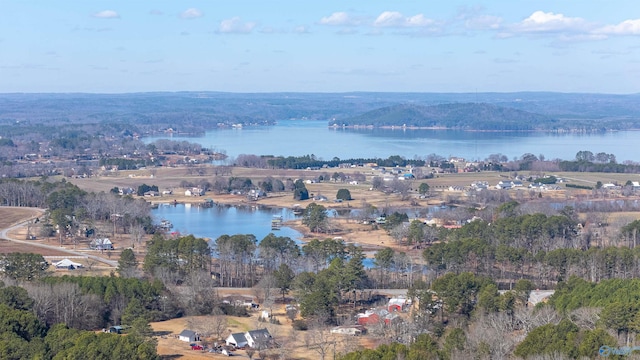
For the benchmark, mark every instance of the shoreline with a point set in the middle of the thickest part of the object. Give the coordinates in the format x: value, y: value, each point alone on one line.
x: 412, y: 127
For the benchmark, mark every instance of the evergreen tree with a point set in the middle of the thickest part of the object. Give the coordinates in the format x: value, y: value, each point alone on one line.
x: 127, y: 264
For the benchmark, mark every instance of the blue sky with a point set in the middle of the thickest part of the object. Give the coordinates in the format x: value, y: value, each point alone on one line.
x: 320, y: 46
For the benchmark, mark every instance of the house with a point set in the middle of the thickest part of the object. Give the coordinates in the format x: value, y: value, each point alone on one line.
x: 260, y: 338
x: 101, y: 244
x: 480, y: 185
x: 66, y: 264
x: 353, y: 330
x: 238, y: 340
x: 503, y: 185
x: 126, y: 191
x: 409, y: 176
x: 188, y: 336
x: 255, y: 194
x: 516, y: 183
x: 194, y: 192
x: 240, y: 300
x: 151, y: 193
x: 167, y: 192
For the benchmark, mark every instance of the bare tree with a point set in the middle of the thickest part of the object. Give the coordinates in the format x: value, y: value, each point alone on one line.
x: 213, y: 325
x: 319, y: 340
x: 266, y: 289
x: 137, y: 234
x: 90, y: 262
x: 585, y: 318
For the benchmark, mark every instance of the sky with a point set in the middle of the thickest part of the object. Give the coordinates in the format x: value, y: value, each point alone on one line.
x: 123, y: 46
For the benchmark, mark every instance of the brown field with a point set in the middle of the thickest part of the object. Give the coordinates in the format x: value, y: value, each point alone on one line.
x: 12, y: 215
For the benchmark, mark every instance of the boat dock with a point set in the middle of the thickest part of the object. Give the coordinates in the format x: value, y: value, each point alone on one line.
x: 276, y: 222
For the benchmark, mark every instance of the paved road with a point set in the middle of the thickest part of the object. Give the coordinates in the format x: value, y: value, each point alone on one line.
x: 4, y: 234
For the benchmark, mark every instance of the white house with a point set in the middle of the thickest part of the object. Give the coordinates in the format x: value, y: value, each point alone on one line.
x: 260, y: 338
x: 194, y: 192
x: 504, y: 185
x: 101, y: 244
x: 238, y: 340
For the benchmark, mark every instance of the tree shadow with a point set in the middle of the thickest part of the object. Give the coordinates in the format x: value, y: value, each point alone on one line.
x: 162, y: 333
x: 171, y: 356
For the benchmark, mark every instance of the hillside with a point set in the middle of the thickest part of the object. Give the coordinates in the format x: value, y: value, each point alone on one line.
x: 471, y: 116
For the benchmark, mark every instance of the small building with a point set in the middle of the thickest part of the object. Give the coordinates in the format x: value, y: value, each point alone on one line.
x: 115, y: 329
x: 101, y: 244
x: 237, y: 339
x: 369, y: 317
x: 399, y: 304
x: 151, y: 193
x: 188, y: 336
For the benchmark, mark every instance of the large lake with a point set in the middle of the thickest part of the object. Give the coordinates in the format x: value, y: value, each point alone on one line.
x: 299, y: 137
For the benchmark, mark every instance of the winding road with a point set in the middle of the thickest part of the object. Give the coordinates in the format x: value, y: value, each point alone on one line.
x: 4, y: 234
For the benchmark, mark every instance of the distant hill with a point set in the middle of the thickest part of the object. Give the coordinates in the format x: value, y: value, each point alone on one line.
x: 470, y: 116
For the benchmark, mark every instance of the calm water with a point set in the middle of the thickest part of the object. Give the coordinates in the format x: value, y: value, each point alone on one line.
x: 223, y: 220
x: 296, y: 137
x: 230, y: 220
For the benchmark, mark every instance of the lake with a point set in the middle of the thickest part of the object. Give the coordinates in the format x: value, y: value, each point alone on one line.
x: 302, y: 137
x: 220, y: 220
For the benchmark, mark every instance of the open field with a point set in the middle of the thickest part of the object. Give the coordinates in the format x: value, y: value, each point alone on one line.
x: 13, y: 215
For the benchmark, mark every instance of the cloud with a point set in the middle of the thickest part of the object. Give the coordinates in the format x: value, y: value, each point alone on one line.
x: 627, y: 27
x: 191, y: 13
x: 548, y: 22
x: 339, y: 19
x: 396, y: 19
x: 235, y: 26
x: 301, y: 29
x: 483, y: 22
x: 106, y: 14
